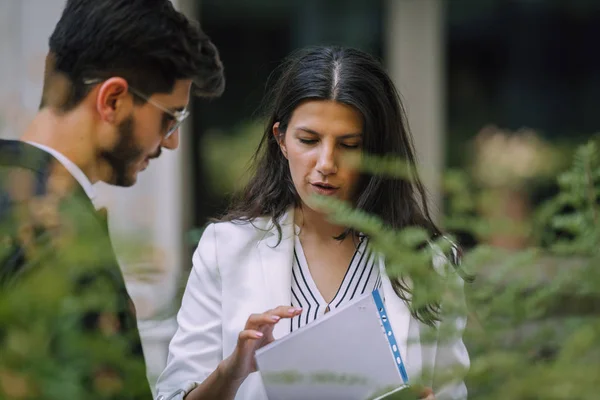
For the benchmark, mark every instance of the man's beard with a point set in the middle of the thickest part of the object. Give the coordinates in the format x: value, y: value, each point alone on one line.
x: 124, y: 155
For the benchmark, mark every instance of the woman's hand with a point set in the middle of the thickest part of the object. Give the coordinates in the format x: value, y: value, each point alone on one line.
x: 257, y: 333
x: 226, y: 380
x: 426, y: 394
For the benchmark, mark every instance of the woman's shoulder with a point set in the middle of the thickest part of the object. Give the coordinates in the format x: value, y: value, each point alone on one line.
x: 225, y: 243
x: 254, y: 227
x: 447, y: 260
x: 236, y: 233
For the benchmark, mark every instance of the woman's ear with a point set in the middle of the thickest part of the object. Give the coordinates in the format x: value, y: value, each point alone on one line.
x: 280, y: 137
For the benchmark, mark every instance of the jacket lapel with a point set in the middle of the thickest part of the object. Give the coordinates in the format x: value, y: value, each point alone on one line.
x: 21, y: 154
x: 276, y: 260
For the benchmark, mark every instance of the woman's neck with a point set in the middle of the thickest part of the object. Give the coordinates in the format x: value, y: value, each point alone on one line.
x: 315, y: 224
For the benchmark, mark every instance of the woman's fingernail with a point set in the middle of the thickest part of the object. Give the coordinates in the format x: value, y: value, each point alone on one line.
x: 259, y: 334
x: 275, y: 318
x: 295, y: 310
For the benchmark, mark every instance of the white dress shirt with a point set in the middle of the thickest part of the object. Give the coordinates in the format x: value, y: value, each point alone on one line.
x: 362, y: 276
x: 73, y: 169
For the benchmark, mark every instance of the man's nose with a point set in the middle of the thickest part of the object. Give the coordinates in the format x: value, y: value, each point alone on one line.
x: 172, y: 142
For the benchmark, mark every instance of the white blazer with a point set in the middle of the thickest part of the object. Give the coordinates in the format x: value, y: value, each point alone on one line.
x: 238, y: 270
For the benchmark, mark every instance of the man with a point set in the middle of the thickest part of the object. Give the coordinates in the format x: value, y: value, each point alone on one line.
x: 118, y: 78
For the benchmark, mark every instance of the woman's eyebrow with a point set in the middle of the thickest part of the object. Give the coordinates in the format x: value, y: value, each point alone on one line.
x: 313, y: 132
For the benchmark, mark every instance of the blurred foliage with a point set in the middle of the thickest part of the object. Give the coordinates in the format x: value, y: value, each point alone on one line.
x: 513, y: 159
x: 534, y: 312
x: 228, y: 155
x: 534, y: 309
x: 66, y: 329
x: 569, y: 222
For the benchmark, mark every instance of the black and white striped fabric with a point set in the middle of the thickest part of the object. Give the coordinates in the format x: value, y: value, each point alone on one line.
x: 362, y: 276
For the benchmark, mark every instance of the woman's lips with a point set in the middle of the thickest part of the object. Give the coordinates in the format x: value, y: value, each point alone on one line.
x: 324, y: 190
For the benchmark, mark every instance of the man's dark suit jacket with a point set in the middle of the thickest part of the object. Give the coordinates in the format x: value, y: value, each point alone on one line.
x: 67, y: 324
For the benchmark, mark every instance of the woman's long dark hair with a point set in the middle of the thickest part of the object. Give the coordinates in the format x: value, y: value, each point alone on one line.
x: 354, y: 78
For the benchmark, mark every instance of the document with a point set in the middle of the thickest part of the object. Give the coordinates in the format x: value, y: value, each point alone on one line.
x: 348, y: 354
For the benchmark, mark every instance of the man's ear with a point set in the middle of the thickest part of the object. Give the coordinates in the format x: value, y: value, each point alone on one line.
x: 113, y: 101
x: 280, y: 137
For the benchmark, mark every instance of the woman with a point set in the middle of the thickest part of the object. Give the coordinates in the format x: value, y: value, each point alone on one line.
x: 275, y: 263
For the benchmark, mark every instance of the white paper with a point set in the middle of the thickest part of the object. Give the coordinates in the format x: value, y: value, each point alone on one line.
x: 343, y: 355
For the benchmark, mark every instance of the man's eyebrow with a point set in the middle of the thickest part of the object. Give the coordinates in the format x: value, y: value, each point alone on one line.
x: 347, y: 136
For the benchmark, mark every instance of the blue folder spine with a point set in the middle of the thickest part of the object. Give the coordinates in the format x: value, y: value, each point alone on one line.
x: 390, y: 334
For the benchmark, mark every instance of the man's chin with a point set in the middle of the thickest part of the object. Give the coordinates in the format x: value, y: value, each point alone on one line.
x: 128, y: 183
x: 124, y: 180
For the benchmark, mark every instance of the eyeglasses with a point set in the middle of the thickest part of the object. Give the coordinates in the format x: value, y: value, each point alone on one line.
x: 178, y: 116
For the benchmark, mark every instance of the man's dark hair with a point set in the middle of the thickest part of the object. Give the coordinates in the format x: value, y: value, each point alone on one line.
x: 146, y: 42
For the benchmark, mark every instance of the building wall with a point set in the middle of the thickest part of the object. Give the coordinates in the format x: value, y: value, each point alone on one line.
x: 414, y: 53
x: 24, y: 29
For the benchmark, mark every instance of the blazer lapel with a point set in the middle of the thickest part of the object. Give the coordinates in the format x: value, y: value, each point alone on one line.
x: 21, y: 154
x: 276, y: 260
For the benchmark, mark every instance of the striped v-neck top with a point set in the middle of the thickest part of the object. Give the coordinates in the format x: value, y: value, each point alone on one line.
x: 362, y: 276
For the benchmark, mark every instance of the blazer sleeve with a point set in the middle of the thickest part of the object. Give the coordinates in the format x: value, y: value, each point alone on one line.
x: 452, y: 358
x: 196, y: 349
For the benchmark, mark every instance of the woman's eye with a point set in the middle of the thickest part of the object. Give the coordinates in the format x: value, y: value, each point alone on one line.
x: 308, y: 141
x: 351, y: 145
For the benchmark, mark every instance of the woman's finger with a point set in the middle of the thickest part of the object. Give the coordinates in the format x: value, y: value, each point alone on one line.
x: 285, y: 311
x: 427, y: 394
x: 271, y: 317
x: 257, y: 320
x: 250, y: 334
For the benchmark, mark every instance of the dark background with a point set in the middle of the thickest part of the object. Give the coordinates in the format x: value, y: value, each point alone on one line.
x: 520, y: 63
